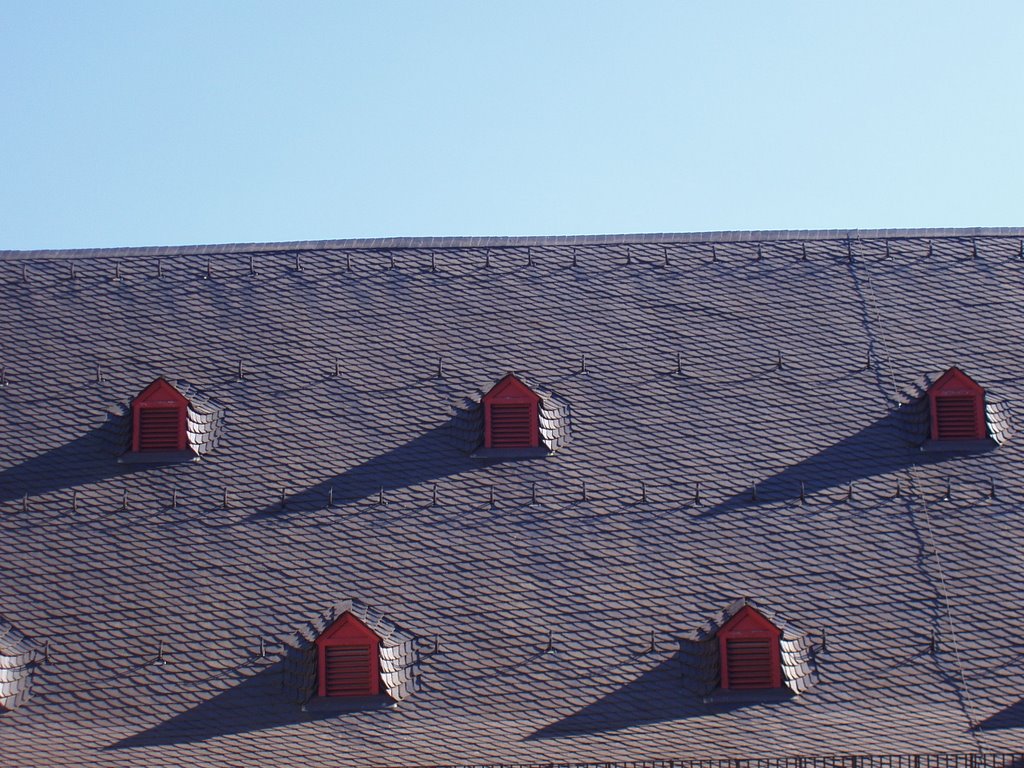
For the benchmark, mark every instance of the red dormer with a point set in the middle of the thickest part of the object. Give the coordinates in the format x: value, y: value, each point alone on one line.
x: 957, y: 406
x: 748, y: 646
x: 348, y: 659
x: 159, y: 419
x: 510, y: 415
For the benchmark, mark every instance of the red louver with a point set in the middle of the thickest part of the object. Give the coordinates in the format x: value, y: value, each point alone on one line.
x: 511, y: 425
x: 159, y: 429
x: 749, y: 662
x: 346, y: 670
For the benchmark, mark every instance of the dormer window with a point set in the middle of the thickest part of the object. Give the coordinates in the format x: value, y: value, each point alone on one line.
x: 351, y: 657
x: 159, y: 417
x: 513, y: 420
x: 510, y: 415
x: 749, y: 652
x: 348, y: 659
x: 172, y: 423
x: 957, y: 406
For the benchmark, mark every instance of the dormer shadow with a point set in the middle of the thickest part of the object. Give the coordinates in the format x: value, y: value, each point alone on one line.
x: 658, y: 695
x: 88, y: 458
x: 1010, y: 717
x: 882, y: 448
x: 256, y: 703
x: 433, y: 455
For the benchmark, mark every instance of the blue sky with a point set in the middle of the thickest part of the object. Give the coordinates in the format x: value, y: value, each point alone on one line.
x: 145, y: 123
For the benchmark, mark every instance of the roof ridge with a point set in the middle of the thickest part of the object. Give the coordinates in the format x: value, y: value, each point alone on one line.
x: 720, y: 236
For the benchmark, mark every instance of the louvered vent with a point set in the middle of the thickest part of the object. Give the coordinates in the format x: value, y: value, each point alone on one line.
x: 511, y: 425
x: 159, y: 429
x: 957, y: 417
x: 348, y: 670
x: 750, y: 663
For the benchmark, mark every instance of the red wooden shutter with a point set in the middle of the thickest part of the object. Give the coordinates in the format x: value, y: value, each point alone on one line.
x: 159, y: 429
x: 957, y: 404
x: 956, y: 417
x: 511, y: 425
x: 749, y: 662
x: 348, y: 659
x: 510, y: 415
x: 159, y: 419
x: 749, y: 653
x: 348, y: 670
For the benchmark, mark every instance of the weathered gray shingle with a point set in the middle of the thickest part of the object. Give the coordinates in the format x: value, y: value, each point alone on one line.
x: 19, y: 658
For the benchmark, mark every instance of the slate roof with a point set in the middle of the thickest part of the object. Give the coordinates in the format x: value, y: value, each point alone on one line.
x: 734, y: 435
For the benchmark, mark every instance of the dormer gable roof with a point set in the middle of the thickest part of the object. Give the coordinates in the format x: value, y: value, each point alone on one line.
x: 160, y: 392
x: 749, y: 619
x: 510, y: 388
x: 956, y: 405
x: 511, y: 417
x: 159, y: 418
x: 748, y: 654
x: 349, y: 627
x: 955, y: 382
x: 348, y: 660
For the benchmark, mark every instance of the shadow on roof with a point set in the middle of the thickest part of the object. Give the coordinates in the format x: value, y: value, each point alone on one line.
x: 254, y: 704
x: 431, y: 456
x: 1011, y: 717
x: 879, y: 449
x: 656, y: 696
x: 86, y: 459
